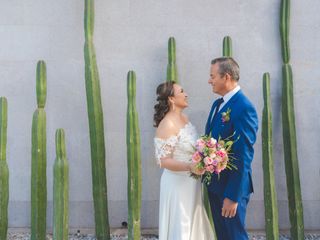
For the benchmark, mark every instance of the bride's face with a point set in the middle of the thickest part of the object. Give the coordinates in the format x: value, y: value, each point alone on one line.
x: 180, y: 97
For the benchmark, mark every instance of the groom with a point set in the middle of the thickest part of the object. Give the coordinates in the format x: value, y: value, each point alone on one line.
x: 233, y: 113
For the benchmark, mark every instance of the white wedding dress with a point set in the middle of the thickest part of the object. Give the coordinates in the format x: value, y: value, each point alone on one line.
x: 182, y: 215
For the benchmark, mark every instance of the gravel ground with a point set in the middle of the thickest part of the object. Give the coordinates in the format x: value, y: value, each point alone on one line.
x: 26, y: 236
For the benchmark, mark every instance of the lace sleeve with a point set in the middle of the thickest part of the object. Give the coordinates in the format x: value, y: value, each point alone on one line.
x: 164, y: 147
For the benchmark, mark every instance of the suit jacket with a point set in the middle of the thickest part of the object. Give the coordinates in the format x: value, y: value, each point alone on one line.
x: 243, y: 123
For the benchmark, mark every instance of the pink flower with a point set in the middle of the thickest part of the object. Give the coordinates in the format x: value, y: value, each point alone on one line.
x: 218, y: 159
x: 196, y: 157
x: 221, y: 153
x: 214, y: 162
x: 212, y: 154
x: 226, y: 158
x: 210, y: 168
x: 208, y: 160
x: 200, y: 144
x: 211, y: 142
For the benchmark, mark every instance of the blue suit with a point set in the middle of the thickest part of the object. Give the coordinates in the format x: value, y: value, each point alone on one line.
x: 233, y: 184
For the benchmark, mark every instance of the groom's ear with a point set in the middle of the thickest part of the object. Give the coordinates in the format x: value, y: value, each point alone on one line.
x: 228, y: 77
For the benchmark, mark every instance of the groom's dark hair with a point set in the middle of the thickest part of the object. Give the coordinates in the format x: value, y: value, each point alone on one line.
x: 228, y: 65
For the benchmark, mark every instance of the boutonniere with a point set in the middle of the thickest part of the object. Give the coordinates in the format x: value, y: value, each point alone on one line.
x: 226, y: 116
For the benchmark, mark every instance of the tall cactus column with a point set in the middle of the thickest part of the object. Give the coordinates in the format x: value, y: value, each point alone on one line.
x: 172, y: 72
x: 60, y: 189
x: 270, y: 196
x: 227, y: 47
x: 134, y: 161
x: 95, y: 115
x: 39, y: 159
x: 289, y: 131
x: 4, y: 170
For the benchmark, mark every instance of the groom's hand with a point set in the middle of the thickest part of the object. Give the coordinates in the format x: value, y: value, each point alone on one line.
x: 229, y: 208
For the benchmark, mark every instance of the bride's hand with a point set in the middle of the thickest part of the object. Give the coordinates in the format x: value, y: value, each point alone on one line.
x: 195, y: 170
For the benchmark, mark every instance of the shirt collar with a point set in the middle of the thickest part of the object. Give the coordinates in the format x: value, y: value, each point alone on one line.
x: 230, y: 94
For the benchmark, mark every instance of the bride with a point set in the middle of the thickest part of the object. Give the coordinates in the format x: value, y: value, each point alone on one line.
x: 182, y: 215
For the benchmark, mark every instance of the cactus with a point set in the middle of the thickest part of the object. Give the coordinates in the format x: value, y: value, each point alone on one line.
x: 41, y: 84
x: 134, y: 161
x: 284, y: 29
x: 4, y: 170
x: 270, y: 196
x: 227, y: 47
x: 60, y: 189
x: 39, y: 160
x: 95, y: 115
x: 291, y: 155
x: 172, y: 73
x: 289, y: 130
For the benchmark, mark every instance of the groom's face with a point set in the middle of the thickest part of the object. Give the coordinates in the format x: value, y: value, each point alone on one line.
x: 217, y: 81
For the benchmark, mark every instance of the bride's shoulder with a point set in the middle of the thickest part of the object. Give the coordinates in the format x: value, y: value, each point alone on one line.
x: 166, y: 129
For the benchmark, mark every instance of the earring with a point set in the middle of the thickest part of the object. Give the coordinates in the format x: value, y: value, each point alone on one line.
x: 173, y: 106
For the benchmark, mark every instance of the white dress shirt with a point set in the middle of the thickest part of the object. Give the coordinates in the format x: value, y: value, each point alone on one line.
x: 228, y: 96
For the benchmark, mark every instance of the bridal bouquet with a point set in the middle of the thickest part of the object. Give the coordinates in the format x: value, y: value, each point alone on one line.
x: 212, y: 156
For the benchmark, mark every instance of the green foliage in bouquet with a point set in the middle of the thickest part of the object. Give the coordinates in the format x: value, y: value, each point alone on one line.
x: 60, y: 189
x: 95, y: 115
x: 172, y: 72
x: 39, y: 159
x: 270, y: 195
x: 227, y: 47
x: 4, y: 170
x: 133, y: 161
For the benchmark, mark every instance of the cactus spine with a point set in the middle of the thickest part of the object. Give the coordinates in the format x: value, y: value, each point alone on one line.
x: 291, y: 156
x: 39, y: 159
x: 289, y: 130
x: 4, y: 170
x: 172, y: 72
x: 227, y: 47
x: 134, y: 161
x: 60, y: 189
x: 270, y: 196
x: 95, y: 115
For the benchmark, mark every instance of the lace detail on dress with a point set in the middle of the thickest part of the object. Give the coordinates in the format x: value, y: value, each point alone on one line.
x: 180, y: 147
x: 164, y: 147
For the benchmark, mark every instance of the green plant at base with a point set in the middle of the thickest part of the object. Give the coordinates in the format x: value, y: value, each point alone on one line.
x: 291, y: 155
x: 227, y: 47
x: 133, y: 161
x: 95, y: 115
x: 172, y: 72
x: 270, y: 196
x: 39, y: 160
x: 60, y: 189
x: 4, y: 170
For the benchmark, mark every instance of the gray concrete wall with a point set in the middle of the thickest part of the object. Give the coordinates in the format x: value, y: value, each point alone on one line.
x: 133, y: 35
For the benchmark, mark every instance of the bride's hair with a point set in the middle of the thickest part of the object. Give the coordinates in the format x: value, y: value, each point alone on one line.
x: 164, y: 91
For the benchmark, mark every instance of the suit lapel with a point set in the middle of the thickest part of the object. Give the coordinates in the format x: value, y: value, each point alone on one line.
x: 217, y: 119
x: 232, y: 99
x: 208, y: 124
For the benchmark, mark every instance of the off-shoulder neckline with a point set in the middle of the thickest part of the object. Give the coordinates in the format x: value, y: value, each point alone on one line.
x: 174, y: 136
